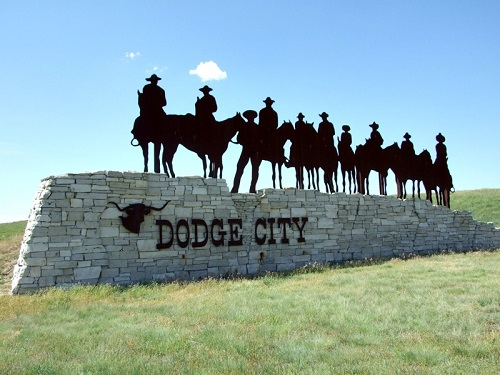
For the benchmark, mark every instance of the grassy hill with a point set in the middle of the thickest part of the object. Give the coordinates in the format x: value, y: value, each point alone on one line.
x: 484, y: 204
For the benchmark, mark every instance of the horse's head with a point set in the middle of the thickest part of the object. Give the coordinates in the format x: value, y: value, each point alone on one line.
x: 285, y: 131
x: 238, y: 121
x: 425, y: 159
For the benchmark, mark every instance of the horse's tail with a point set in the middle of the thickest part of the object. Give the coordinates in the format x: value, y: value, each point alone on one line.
x: 132, y: 142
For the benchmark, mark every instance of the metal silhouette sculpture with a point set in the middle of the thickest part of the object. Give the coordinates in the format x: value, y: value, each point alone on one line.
x: 256, y: 147
x: 184, y: 130
x: 298, y: 150
x: 381, y: 160
x: 151, y: 119
x: 443, y: 177
x: 249, y: 137
x: 327, y: 154
x: 199, y: 133
x: 205, y: 108
x: 347, y: 160
x: 372, y: 157
x: 265, y: 141
x: 135, y: 215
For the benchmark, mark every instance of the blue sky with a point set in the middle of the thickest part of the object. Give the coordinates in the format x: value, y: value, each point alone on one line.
x: 69, y: 72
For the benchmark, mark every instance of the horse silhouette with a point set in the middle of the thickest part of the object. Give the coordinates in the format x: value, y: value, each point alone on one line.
x: 347, y: 161
x: 381, y: 162
x: 327, y: 155
x: 258, y: 148
x: 444, y: 183
x: 147, y: 131
x: 274, y: 152
x: 183, y: 130
x: 416, y: 170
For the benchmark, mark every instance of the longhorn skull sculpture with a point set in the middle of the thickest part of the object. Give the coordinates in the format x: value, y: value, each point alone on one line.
x: 135, y: 215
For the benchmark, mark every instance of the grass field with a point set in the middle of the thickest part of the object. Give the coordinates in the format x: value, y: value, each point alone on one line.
x: 484, y: 204
x: 438, y: 315
x: 431, y: 315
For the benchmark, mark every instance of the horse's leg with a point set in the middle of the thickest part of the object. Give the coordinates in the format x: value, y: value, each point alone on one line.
x: 157, y: 147
x: 325, y: 181
x: 279, y: 175
x: 299, y: 176
x: 354, y: 182
x: 255, y: 174
x: 446, y: 194
x: 170, y: 161
x: 350, y: 174
x: 145, y: 154
x: 204, y: 161
x: 240, y: 167
x: 343, y: 178
x: 358, y: 179
x: 273, y: 167
x: 164, y: 161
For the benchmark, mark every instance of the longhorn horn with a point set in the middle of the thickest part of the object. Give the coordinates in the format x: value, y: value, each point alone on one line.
x: 159, y: 209
x: 117, y: 206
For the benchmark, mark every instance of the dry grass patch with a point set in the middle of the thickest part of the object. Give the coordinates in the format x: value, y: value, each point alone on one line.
x: 9, y: 252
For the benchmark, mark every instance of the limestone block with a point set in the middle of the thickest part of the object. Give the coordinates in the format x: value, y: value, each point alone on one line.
x: 87, y: 273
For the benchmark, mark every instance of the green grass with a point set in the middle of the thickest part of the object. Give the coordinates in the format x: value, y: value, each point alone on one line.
x: 432, y: 315
x: 484, y: 204
x: 438, y: 314
x: 8, y: 230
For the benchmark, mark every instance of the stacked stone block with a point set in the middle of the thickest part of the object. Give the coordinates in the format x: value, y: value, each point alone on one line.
x: 75, y: 235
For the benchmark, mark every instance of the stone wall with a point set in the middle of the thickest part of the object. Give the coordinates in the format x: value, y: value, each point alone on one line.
x: 75, y: 235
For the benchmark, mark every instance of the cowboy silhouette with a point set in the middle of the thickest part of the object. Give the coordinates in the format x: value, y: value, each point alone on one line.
x: 148, y: 126
x: 326, y: 132
x: 153, y: 99
x: 441, y: 152
x: 250, y: 140
x: 345, y: 138
x: 407, y: 152
x: 206, y: 107
x: 375, y: 137
x: 268, y: 118
x: 268, y: 123
x: 346, y: 158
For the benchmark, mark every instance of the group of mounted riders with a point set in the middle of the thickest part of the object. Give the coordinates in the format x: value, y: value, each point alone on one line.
x: 310, y: 150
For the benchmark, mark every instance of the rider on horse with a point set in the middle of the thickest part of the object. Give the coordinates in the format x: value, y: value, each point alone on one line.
x: 151, y: 103
x: 407, y: 153
x: 206, y: 107
x: 374, y: 143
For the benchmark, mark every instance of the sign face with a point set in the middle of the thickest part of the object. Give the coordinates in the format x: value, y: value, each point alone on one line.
x: 197, y: 231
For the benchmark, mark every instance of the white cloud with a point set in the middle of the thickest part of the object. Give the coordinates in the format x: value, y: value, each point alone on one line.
x: 132, y: 55
x: 208, y: 71
x: 156, y: 69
